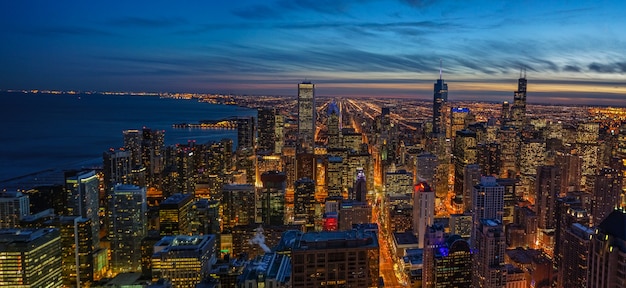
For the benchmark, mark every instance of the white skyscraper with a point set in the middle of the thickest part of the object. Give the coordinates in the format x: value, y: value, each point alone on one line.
x: 487, y: 202
x: 423, y: 210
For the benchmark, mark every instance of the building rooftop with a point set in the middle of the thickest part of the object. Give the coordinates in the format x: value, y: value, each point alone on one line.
x: 12, y: 235
x: 405, y: 238
x: 176, y: 198
x: 615, y: 224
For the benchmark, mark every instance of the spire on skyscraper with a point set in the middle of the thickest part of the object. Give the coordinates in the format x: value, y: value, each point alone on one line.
x: 440, y: 69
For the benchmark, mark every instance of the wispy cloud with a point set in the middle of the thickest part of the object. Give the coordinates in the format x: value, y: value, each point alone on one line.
x: 144, y: 22
x: 66, y: 31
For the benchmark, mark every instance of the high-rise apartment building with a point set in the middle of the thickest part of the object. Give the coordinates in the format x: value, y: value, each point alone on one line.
x: 547, y: 185
x: 306, y: 117
x: 117, y: 168
x: 30, y: 258
x: 606, y: 196
x: 153, y: 154
x: 132, y: 143
x: 82, y: 199
x: 246, y: 133
x: 574, y: 263
x: 127, y: 227
x: 266, y: 131
x: 13, y: 207
x: 488, y: 262
x: 487, y: 203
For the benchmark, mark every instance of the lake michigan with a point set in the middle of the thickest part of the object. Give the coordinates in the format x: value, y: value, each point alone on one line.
x: 62, y: 131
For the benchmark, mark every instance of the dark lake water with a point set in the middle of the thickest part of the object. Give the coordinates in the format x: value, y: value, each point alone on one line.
x: 43, y: 131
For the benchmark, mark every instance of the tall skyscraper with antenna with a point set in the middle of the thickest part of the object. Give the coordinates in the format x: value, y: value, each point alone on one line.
x: 439, y: 100
x: 518, y: 110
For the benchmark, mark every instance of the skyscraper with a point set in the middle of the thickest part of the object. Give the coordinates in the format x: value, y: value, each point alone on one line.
x: 306, y: 117
x: 439, y: 101
x: 266, y: 131
x: 334, y: 126
x: 488, y: 262
x: 608, y: 251
x: 518, y: 110
x: 132, y: 143
x: 127, y: 227
x: 117, y: 168
x: 606, y: 196
x: 304, y: 202
x: 487, y: 203
x: 82, y: 198
x: 423, y: 210
x: 272, y: 197
x: 246, y: 133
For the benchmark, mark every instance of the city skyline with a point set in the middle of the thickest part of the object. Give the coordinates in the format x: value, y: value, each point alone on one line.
x: 571, y: 51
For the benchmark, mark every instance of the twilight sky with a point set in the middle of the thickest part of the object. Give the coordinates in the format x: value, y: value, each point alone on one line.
x: 574, y: 51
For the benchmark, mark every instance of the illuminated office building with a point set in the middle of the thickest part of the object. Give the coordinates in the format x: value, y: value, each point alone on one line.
x: 306, y: 117
x: 272, y: 196
x: 14, y: 206
x: 77, y: 252
x: 304, y: 202
x: 509, y: 150
x: 334, y: 259
x: 183, y: 260
x: 464, y: 154
x: 452, y: 263
x: 30, y: 258
x: 334, y: 126
x: 238, y: 205
x: 489, y: 158
x: 127, y: 227
x: 82, y: 199
x: 460, y: 118
x: 175, y: 214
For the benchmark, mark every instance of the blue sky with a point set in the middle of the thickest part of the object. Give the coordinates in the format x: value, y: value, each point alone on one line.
x: 574, y: 51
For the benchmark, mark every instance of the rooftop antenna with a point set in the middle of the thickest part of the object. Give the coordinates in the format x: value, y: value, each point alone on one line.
x: 524, y: 72
x: 520, y: 71
x: 440, y: 69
